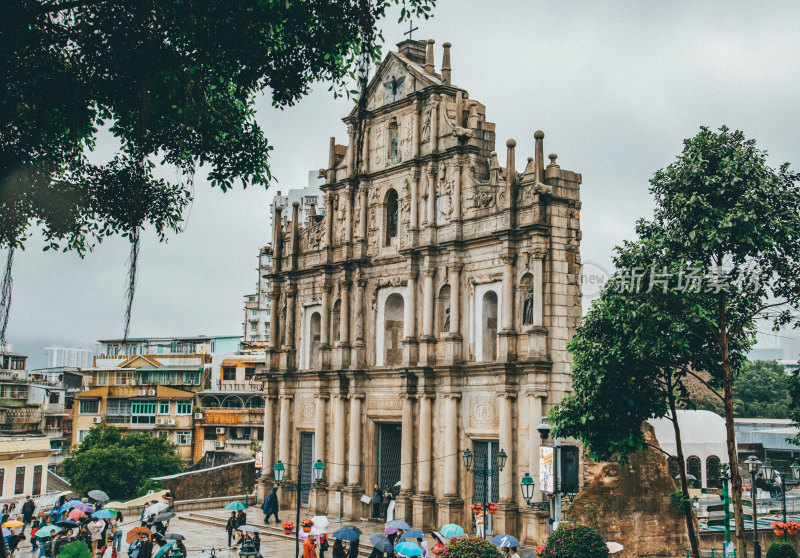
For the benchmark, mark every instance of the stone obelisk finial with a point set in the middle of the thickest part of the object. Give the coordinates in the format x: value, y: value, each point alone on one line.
x: 446, y: 69
x: 429, y: 66
x: 538, y: 165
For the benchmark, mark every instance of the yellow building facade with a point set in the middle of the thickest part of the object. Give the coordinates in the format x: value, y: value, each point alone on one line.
x: 23, y: 466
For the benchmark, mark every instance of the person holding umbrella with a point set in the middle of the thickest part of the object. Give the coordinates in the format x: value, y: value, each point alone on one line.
x: 27, y: 512
x: 309, y: 548
x: 338, y: 549
x: 96, y: 529
x: 270, y: 506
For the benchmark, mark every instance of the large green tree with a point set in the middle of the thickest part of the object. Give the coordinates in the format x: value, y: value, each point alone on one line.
x: 761, y: 390
x: 174, y: 82
x: 120, y: 464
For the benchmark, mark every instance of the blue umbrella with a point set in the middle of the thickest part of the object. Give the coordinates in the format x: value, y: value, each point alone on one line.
x: 70, y: 503
x: 452, y: 530
x: 381, y: 543
x: 413, y: 534
x: 505, y: 541
x: 163, y: 549
x: 345, y: 534
x: 236, y: 506
x: 398, y: 524
x: 103, y: 514
x: 408, y: 549
x: 45, y: 532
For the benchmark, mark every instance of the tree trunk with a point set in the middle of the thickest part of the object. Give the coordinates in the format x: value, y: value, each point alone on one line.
x: 686, y: 501
x: 727, y: 398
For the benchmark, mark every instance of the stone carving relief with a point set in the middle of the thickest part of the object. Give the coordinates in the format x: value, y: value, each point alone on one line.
x: 405, y: 214
x: 483, y: 411
x: 378, y: 145
x: 356, y: 212
x: 424, y: 191
x: 484, y: 196
x: 444, y: 198
x: 406, y: 138
x: 312, y: 236
x: 426, y: 127
x: 384, y: 404
x: 308, y: 410
x: 341, y: 218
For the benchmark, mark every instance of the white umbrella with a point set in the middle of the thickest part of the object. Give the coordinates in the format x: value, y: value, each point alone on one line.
x: 613, y: 547
x: 320, y: 521
x: 155, y: 509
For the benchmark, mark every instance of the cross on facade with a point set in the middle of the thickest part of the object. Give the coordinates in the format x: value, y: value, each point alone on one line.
x: 411, y: 28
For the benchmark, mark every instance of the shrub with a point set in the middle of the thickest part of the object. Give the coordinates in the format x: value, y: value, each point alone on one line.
x: 470, y: 547
x: 569, y: 541
x: 781, y: 550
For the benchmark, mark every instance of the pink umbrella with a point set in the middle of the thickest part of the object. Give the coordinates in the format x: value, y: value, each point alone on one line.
x: 75, y: 514
x: 389, y: 530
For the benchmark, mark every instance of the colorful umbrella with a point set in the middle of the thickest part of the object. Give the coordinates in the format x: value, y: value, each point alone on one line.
x: 71, y: 503
x: 320, y: 521
x: 452, y: 530
x: 83, y: 507
x: 104, y: 514
x: 389, y: 530
x: 166, y: 516
x: 155, y: 509
x: 98, y: 495
x: 236, y: 506
x: 412, y: 534
x: 398, y: 524
x: 163, y: 549
x: 408, y: 549
x: 439, y: 537
x: 75, y: 514
x: 346, y: 534
x: 505, y: 541
x: 13, y: 523
x: 75, y: 549
x: 354, y: 528
x: 67, y: 524
x: 46, y: 531
x: 134, y: 533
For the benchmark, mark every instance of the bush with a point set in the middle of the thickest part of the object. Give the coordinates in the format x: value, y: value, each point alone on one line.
x: 570, y: 541
x: 781, y: 550
x: 470, y: 547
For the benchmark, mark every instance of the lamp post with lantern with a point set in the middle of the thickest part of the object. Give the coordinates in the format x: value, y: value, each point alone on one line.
x: 753, y: 464
x: 769, y: 474
x: 317, y: 470
x: 486, y: 472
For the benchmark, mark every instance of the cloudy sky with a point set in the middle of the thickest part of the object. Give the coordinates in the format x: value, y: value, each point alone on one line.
x: 615, y: 86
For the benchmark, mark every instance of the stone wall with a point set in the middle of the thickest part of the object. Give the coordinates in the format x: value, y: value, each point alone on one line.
x: 630, y: 504
x: 225, y: 480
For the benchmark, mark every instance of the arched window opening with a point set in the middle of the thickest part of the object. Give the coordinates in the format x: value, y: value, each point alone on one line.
x: 489, y: 326
x: 693, y: 467
x: 712, y: 472
x: 315, y: 326
x: 393, y: 329
x: 392, y: 216
x: 526, y: 299
x: 443, y: 304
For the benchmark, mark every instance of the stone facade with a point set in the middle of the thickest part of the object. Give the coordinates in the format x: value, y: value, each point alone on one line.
x: 436, y: 295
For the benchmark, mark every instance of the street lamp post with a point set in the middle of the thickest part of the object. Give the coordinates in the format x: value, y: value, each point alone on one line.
x: 769, y: 471
x: 486, y: 472
x: 753, y: 465
x: 279, y: 470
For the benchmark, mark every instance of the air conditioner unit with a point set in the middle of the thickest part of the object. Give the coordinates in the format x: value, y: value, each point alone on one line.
x: 220, y: 431
x: 198, y: 416
x: 159, y: 421
x: 151, y: 392
x: 219, y: 444
x: 171, y: 421
x: 97, y: 420
x: 142, y: 392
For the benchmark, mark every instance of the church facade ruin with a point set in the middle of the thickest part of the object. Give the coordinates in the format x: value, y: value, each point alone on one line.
x: 425, y: 310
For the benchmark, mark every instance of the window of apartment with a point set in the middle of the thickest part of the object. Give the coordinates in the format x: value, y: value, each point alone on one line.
x: 183, y: 438
x: 118, y: 411
x: 37, y: 480
x: 101, y: 379
x: 210, y: 432
x: 254, y: 312
x: 254, y: 327
x: 228, y: 373
x: 183, y: 408
x: 143, y: 412
x: 89, y: 406
x: 54, y: 397
x: 163, y: 407
x: 249, y: 372
x: 311, y: 199
x: 19, y: 481
x: 82, y: 435
x: 111, y: 350
x: 192, y: 378
x: 124, y: 377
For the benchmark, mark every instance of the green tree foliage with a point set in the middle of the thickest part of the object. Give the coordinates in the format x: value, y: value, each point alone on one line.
x: 470, y: 547
x: 570, y: 541
x: 120, y: 465
x: 761, y: 390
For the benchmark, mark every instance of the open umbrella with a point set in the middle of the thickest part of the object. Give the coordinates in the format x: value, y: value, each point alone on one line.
x: 408, y: 549
x: 166, y: 516
x: 46, y: 531
x: 163, y: 549
x: 83, y: 507
x: 320, y: 521
x: 381, y: 543
x: 236, y: 506
x: 249, y: 529
x: 354, y: 528
x: 75, y: 514
x: 613, y: 547
x: 13, y: 523
x: 134, y: 533
x: 68, y: 504
x: 75, y: 549
x: 174, y: 537
x: 6, y: 532
x: 452, y: 530
x: 346, y: 534
x: 398, y: 524
x: 104, y: 514
x: 98, y: 495
x: 439, y: 537
x: 412, y: 534
x: 67, y: 524
x: 505, y: 541
x: 155, y: 509
x: 389, y: 530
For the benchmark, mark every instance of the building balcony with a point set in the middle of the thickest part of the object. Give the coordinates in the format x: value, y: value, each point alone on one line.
x: 24, y: 415
x: 232, y: 385
x: 251, y: 305
x: 231, y: 417
x: 53, y: 409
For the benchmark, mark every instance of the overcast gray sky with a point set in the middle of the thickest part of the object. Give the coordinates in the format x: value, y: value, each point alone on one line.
x: 615, y: 86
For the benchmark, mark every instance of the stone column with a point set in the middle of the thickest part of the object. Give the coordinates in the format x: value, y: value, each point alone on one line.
x: 350, y: 150
x: 428, y: 341
x: 414, y: 218
x: 324, y: 327
x: 431, y: 205
x: 410, y: 343
x: 403, y: 510
x: 415, y: 131
x: 435, y: 125
x: 343, y: 349
x: 457, y: 192
x: 319, y: 495
x: 506, y: 516
x: 535, y: 399
x: 267, y: 446
x: 353, y: 507
x: 508, y: 341
x: 289, y: 352
x: 329, y: 217
x: 423, y: 500
x: 450, y: 506
x: 335, y: 500
x: 537, y: 333
x: 358, y: 352
x: 285, y: 444
x: 453, y: 340
x: 348, y: 220
x: 275, y: 300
